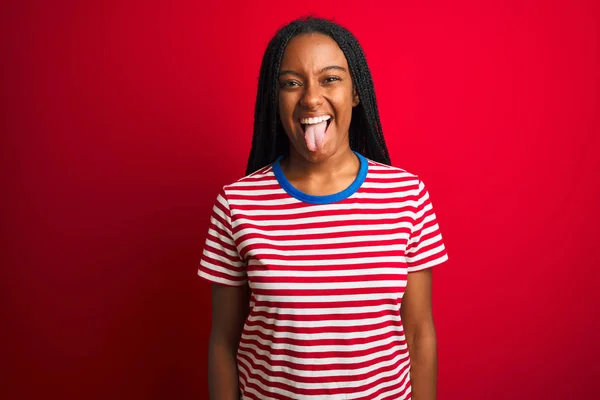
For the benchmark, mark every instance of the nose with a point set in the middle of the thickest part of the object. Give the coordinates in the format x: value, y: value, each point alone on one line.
x: 312, y: 97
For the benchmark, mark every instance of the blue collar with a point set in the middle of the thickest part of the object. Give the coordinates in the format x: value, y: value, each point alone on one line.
x: 332, y: 198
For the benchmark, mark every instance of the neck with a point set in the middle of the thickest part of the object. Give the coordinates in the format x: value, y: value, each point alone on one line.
x: 342, y: 161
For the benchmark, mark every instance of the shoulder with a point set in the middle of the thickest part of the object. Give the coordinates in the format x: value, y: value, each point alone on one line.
x: 260, y: 178
x: 384, y: 171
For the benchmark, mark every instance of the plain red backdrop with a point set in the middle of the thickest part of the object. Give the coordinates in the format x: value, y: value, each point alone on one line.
x: 121, y: 120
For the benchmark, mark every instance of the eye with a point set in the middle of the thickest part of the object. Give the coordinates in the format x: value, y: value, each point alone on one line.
x: 331, y: 79
x: 289, y: 84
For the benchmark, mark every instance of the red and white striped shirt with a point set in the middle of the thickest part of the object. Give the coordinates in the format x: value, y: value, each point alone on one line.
x: 327, y: 276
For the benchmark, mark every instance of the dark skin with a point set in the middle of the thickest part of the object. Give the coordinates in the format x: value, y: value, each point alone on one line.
x: 417, y: 320
x: 314, y: 81
x: 229, y: 311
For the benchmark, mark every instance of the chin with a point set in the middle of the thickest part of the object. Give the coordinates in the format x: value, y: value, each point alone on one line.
x: 316, y: 156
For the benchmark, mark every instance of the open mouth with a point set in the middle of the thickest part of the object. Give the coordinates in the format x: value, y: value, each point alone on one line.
x: 307, y: 124
x: 315, y: 131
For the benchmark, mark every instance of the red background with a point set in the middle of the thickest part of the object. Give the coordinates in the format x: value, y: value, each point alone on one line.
x: 122, y: 120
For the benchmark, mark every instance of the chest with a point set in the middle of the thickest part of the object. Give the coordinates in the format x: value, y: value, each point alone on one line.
x: 325, y: 255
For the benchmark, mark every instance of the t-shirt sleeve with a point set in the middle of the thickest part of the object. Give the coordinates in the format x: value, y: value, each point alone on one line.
x: 220, y: 261
x: 425, y: 247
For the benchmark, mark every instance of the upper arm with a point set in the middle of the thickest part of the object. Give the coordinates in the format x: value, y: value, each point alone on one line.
x: 230, y: 306
x: 222, y: 265
x: 425, y: 247
x: 416, y: 311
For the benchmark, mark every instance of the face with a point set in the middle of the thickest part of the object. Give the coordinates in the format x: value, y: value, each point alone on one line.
x: 315, y: 82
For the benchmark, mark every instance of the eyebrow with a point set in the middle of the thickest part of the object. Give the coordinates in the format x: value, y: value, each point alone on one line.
x: 331, y: 67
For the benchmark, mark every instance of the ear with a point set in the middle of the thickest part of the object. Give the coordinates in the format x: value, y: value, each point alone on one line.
x: 355, y: 99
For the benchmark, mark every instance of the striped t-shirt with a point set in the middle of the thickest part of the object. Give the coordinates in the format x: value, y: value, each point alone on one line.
x: 327, y: 275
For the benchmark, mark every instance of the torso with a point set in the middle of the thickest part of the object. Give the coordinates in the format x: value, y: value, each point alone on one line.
x: 327, y: 275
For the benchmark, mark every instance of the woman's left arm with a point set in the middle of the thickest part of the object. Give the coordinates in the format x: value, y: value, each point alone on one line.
x: 417, y: 319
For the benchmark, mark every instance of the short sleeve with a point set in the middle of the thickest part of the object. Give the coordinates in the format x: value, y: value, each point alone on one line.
x: 220, y: 261
x: 425, y: 247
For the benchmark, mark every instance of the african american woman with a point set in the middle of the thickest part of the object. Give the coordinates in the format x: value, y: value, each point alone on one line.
x: 320, y: 257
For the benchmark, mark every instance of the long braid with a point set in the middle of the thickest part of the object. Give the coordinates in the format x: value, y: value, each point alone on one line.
x: 269, y: 139
x: 372, y: 144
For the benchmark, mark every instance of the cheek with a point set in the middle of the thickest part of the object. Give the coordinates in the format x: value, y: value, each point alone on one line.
x: 286, y: 108
x: 286, y: 111
x: 343, y: 104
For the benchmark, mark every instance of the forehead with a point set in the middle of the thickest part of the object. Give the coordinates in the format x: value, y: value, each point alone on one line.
x: 312, y: 51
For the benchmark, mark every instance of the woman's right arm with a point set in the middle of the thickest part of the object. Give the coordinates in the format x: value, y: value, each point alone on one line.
x: 229, y: 311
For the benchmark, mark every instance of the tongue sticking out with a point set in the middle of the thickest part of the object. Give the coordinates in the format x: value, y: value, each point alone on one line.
x: 314, y: 135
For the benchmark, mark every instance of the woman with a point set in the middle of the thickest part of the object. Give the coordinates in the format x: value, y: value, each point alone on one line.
x: 321, y: 256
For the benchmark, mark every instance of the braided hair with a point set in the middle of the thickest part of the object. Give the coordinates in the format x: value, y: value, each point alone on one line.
x: 269, y: 139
